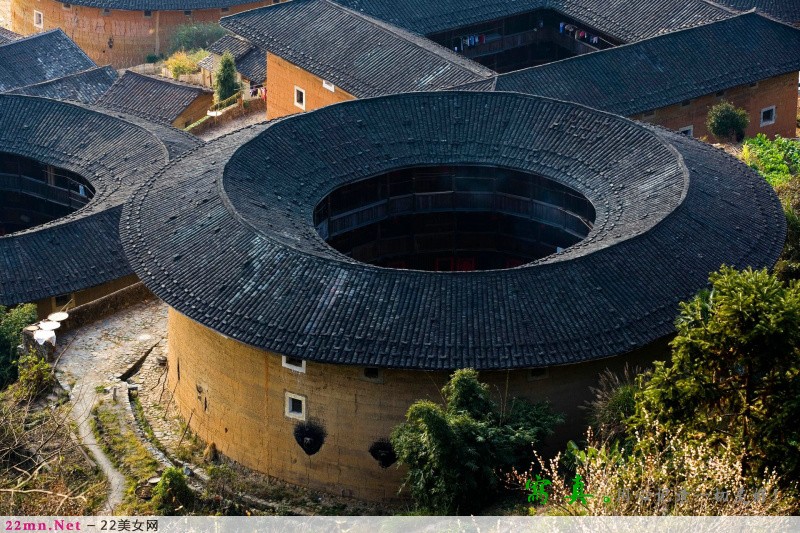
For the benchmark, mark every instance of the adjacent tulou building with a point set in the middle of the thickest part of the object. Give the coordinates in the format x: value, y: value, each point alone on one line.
x: 326, y: 270
x: 121, y: 32
x: 65, y: 172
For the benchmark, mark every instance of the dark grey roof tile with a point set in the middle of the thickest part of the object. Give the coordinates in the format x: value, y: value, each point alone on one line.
x: 84, y: 87
x: 252, y: 266
x: 154, y: 98
x: 38, y: 58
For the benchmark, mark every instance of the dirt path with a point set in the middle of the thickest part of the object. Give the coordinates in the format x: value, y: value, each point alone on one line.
x: 93, y: 357
x: 236, y: 124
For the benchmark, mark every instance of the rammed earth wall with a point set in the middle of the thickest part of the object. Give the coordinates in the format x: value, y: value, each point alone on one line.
x: 234, y: 395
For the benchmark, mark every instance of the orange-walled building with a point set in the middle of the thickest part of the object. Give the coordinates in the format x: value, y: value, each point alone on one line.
x: 114, y: 33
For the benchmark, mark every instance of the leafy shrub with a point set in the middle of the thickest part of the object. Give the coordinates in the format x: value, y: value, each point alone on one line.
x: 195, y: 36
x: 777, y: 160
x: 453, y: 452
x: 171, y: 494
x: 152, y: 58
x: 735, y: 371
x: 35, y: 377
x: 727, y: 122
x: 181, y: 63
x: 225, y: 84
x: 12, y: 322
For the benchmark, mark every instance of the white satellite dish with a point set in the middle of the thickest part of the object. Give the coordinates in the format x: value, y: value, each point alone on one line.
x: 61, y: 316
x: 49, y: 325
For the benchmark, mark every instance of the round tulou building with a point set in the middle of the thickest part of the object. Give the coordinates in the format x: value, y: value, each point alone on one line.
x: 326, y: 270
x: 65, y: 171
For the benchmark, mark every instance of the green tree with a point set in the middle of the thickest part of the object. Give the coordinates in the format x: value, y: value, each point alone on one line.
x: 225, y: 84
x: 195, y: 36
x: 453, y: 452
x: 735, y: 371
x: 12, y: 321
x: 727, y: 122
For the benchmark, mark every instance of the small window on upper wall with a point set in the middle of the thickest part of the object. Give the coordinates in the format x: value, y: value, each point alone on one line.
x: 187, y: 12
x: 688, y: 131
x: 328, y: 85
x: 66, y: 6
x: 295, y: 406
x: 294, y: 363
x: 535, y: 374
x: 300, y: 98
x: 224, y: 9
x: 38, y: 19
x: 148, y: 13
x: 768, y: 116
x: 685, y: 103
x: 719, y: 93
x: 373, y: 374
x: 650, y: 113
x: 105, y: 12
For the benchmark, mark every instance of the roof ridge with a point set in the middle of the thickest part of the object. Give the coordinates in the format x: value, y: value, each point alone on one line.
x: 55, y: 80
x: 164, y: 79
x: 420, y: 41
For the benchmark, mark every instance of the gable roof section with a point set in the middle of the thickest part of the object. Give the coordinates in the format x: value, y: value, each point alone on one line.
x: 642, y: 76
x: 84, y: 87
x: 363, y: 56
x: 785, y: 10
x: 156, y: 99
x: 251, y: 61
x: 623, y: 19
x: 6, y: 36
x: 41, y: 57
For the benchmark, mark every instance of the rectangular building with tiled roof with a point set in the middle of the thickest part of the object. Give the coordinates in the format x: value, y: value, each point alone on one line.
x: 158, y: 99
x: 250, y: 61
x: 673, y: 79
x: 39, y: 58
x: 319, y: 53
x: 85, y: 87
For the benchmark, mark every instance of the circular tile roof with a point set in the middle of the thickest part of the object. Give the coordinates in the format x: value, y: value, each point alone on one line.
x: 81, y: 249
x: 226, y: 236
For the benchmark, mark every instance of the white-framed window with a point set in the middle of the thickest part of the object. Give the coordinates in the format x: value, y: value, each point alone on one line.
x: 768, y: 116
x: 328, y: 85
x: 294, y: 363
x: 295, y: 406
x: 373, y: 374
x: 687, y: 130
x: 38, y: 19
x: 299, y: 98
x: 535, y: 374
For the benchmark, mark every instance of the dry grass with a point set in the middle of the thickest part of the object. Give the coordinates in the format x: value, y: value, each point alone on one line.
x: 682, y: 478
